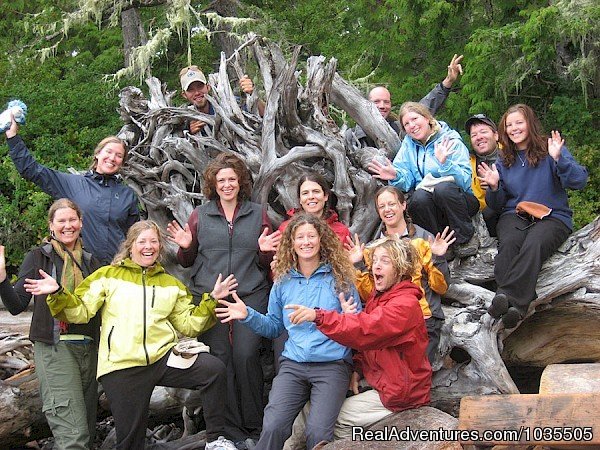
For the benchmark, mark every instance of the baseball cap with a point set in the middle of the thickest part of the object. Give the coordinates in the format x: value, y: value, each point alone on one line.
x: 482, y: 118
x: 189, y: 74
x: 184, y: 354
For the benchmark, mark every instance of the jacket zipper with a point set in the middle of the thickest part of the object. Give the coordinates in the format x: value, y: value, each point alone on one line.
x: 144, y: 336
x: 230, y: 230
x: 109, y: 338
x: 153, y: 295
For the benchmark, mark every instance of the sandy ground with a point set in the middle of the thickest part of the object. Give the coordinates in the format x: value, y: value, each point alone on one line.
x: 15, y: 324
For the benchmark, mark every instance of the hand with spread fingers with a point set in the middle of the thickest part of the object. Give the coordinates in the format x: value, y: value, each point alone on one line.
x: 178, y: 235
x: 443, y: 149
x: 224, y: 287
x: 489, y: 175
x: 235, y: 310
x: 355, y: 248
x: 269, y: 242
x: 384, y: 170
x: 555, y: 143
x: 46, y: 285
x: 439, y: 245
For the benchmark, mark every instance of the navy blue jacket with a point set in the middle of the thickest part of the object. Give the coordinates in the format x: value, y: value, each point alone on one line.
x: 109, y: 207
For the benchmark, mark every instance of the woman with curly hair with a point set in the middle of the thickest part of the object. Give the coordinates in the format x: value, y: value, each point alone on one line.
x: 533, y: 170
x: 313, y: 270
x: 230, y: 234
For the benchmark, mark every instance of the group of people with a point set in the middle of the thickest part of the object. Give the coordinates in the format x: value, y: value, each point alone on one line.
x: 355, y: 325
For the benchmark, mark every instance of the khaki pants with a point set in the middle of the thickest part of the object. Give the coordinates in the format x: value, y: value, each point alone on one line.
x: 69, y: 391
x: 359, y: 410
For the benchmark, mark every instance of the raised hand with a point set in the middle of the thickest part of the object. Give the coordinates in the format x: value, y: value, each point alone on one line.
x: 439, y: 245
x: 355, y: 248
x: 555, y: 143
x: 235, y: 310
x: 348, y: 306
x: 224, y: 287
x: 47, y: 285
x: 246, y: 85
x: 181, y: 236
x: 14, y: 127
x: 454, y: 70
x: 384, y: 170
x: 489, y: 175
x: 2, y: 264
x: 443, y: 149
x: 301, y: 314
x: 269, y: 242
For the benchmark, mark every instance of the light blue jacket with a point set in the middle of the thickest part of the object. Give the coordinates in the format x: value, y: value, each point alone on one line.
x: 414, y: 161
x: 305, y: 342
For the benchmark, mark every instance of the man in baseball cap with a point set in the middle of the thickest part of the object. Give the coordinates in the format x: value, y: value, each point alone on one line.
x: 484, y: 142
x: 194, y: 88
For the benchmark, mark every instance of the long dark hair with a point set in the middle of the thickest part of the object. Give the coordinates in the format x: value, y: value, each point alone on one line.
x: 537, y: 141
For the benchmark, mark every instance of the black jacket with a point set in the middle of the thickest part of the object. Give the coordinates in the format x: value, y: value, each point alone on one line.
x: 16, y: 298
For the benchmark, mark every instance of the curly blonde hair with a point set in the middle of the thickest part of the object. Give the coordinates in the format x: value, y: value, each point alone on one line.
x: 403, y: 254
x: 331, y: 251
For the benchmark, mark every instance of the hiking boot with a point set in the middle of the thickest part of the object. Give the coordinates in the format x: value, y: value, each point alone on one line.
x: 466, y: 249
x: 511, y: 318
x: 499, y: 306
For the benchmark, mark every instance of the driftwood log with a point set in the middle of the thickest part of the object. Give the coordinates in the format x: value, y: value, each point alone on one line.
x: 296, y: 133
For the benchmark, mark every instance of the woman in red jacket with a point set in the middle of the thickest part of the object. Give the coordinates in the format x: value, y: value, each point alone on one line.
x: 390, y: 336
x: 313, y: 197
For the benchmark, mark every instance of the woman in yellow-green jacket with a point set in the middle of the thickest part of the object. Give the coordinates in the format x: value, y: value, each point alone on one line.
x: 142, y: 309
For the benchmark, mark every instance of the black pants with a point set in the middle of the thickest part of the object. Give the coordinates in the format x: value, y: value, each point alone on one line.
x: 447, y: 205
x: 521, y: 252
x: 238, y: 347
x: 490, y: 217
x: 129, y: 391
x: 434, y: 330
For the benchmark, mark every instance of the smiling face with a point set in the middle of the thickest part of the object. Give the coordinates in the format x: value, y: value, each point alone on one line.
x: 196, y: 95
x: 382, y: 99
x: 110, y: 158
x: 384, y: 272
x: 307, y: 244
x: 416, y: 126
x: 312, y: 198
x: 517, y: 129
x: 228, y: 186
x: 391, y: 210
x: 484, y: 139
x: 65, y: 226
x: 146, y: 248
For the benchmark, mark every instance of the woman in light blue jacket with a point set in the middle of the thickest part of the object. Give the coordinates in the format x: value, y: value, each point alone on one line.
x: 432, y: 165
x: 313, y: 270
